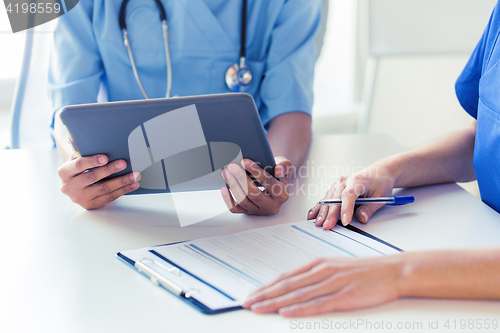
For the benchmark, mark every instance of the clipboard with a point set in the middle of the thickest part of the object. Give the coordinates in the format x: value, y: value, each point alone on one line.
x: 192, y: 289
x: 145, y: 266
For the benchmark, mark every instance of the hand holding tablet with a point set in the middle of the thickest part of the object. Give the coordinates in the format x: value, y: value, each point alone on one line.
x: 176, y: 145
x: 82, y: 180
x: 255, y: 201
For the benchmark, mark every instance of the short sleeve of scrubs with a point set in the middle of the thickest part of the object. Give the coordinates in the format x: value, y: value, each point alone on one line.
x: 288, y: 79
x: 467, y: 85
x: 478, y: 90
x: 75, y: 69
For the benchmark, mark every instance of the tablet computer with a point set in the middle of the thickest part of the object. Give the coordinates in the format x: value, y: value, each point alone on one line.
x: 178, y: 144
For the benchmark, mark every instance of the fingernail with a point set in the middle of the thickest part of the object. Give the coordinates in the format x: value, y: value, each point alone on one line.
x: 326, y: 225
x: 245, y: 163
x: 345, y: 219
x: 135, y: 186
x: 257, y: 306
x: 310, y: 212
x: 233, y: 168
x: 135, y: 176
x: 102, y: 159
x: 280, y: 170
x: 227, y: 174
x: 363, y: 214
x: 120, y: 165
x: 319, y: 219
x: 284, y: 311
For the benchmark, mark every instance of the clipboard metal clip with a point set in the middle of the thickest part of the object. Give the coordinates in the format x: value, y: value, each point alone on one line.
x: 158, y: 279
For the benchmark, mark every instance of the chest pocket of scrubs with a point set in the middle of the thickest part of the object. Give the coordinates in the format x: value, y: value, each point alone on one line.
x: 487, y: 148
x: 489, y: 87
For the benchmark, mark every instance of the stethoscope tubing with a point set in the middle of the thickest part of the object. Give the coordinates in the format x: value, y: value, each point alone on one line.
x: 233, y: 81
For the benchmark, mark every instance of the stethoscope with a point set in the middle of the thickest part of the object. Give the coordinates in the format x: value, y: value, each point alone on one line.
x: 238, y: 77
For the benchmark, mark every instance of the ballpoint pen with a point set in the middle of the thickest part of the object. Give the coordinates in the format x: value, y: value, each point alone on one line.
x: 389, y: 201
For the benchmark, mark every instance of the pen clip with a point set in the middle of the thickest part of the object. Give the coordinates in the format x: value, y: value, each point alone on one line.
x: 158, y: 279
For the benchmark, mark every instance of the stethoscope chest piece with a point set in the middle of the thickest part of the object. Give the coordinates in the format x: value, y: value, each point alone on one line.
x: 239, y: 76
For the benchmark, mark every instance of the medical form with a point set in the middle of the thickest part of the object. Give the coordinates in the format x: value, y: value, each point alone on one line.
x: 221, y: 271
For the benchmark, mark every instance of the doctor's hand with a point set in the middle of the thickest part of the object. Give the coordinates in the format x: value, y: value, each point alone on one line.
x: 373, y: 181
x: 246, y: 197
x: 82, y: 180
x: 333, y: 284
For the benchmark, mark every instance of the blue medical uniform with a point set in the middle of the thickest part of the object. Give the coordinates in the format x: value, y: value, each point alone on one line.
x: 478, y: 90
x: 204, y: 40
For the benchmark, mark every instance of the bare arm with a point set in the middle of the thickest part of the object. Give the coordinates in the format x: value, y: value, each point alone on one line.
x: 290, y: 136
x: 445, y: 160
x: 341, y: 284
x: 466, y: 274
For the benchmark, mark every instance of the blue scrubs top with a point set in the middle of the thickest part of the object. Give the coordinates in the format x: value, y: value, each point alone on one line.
x: 478, y: 90
x: 204, y: 40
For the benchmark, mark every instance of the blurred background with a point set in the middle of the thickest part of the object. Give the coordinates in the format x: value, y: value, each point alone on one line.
x: 386, y: 66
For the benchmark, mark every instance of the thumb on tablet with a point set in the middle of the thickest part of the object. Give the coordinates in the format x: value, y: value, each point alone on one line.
x: 283, y: 167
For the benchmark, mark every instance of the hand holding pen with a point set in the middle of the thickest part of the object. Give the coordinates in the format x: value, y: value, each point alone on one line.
x: 362, y: 194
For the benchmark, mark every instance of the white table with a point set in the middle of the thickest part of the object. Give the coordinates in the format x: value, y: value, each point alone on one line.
x: 59, y: 272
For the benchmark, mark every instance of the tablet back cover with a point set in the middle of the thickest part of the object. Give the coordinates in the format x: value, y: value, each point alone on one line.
x: 178, y: 144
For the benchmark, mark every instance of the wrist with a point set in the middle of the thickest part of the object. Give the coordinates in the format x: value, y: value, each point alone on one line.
x: 414, y: 279
x: 393, y: 167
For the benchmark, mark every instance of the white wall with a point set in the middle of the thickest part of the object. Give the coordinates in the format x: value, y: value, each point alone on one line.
x: 10, y: 64
x: 334, y: 78
x: 11, y: 50
x: 415, y: 99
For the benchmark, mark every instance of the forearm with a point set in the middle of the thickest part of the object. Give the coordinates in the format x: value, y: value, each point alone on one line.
x: 465, y: 274
x: 445, y: 160
x: 290, y: 136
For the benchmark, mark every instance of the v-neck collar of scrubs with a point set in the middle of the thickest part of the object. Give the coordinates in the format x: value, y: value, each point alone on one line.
x: 204, y: 18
